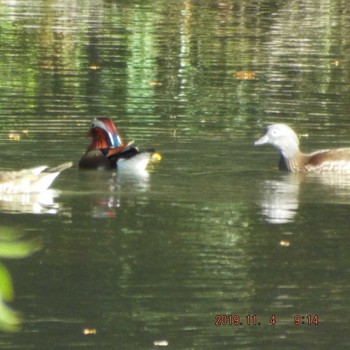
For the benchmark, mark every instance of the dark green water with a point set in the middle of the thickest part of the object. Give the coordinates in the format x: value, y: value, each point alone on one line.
x: 214, y: 229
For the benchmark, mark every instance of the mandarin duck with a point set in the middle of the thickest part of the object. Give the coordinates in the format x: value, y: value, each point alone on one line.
x: 30, y: 180
x: 108, y: 151
x: 285, y: 140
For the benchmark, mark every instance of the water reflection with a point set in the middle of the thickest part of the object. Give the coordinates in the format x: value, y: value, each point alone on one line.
x: 339, y: 182
x: 280, y: 198
x: 31, y: 203
x: 113, y: 188
x: 107, y: 188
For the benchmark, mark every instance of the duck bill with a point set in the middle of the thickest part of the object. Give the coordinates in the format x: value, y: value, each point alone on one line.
x: 262, y: 141
x: 156, y: 157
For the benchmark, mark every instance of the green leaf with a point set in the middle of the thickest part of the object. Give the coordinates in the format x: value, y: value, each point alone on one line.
x: 9, y: 319
x: 9, y: 234
x: 6, y: 288
x: 19, y: 249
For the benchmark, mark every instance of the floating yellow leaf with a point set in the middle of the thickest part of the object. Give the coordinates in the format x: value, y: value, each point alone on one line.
x: 14, y: 136
x: 161, y: 342
x: 155, y: 83
x: 89, y: 331
x: 17, y: 135
x: 245, y: 75
x: 284, y: 243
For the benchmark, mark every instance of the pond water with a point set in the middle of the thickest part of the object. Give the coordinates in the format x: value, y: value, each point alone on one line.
x: 214, y: 231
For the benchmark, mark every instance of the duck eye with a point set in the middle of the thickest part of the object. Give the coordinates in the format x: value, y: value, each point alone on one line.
x: 93, y: 123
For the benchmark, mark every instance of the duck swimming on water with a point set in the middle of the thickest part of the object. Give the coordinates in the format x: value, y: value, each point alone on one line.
x: 285, y: 140
x: 32, y: 180
x: 108, y: 151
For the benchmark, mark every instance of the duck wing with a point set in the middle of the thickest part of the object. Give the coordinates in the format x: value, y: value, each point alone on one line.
x: 329, y: 160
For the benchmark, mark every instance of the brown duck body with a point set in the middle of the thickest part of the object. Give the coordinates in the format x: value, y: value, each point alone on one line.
x: 332, y: 160
x: 284, y: 139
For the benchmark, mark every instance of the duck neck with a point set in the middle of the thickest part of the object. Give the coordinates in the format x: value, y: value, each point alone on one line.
x: 99, y: 140
x: 292, y: 163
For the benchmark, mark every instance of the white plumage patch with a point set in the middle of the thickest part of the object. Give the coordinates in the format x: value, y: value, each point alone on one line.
x: 29, y: 180
x: 338, y: 166
x: 135, y: 164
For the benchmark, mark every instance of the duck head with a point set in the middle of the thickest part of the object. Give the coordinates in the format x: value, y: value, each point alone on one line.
x: 104, y: 134
x: 282, y: 137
